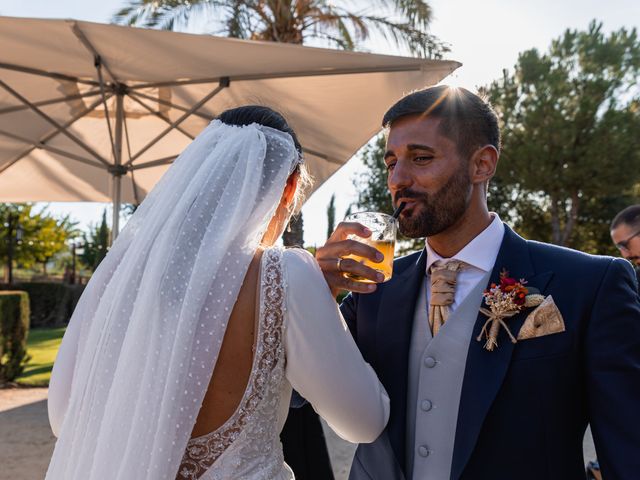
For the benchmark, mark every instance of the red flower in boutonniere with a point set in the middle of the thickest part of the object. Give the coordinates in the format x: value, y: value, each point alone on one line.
x: 515, y: 288
x: 504, y: 301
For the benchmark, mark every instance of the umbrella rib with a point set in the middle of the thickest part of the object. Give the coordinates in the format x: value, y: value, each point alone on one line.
x: 99, y: 63
x: 161, y: 117
x: 43, y: 73
x: 315, y: 153
x: 49, y: 148
x: 50, y: 135
x: 154, y: 163
x: 50, y: 120
x: 169, y: 104
x: 126, y: 135
x: 52, y: 101
x: 323, y: 156
x: 224, y: 83
x: 174, y: 83
x: 303, y: 73
x: 136, y: 195
x: 104, y: 103
x: 96, y: 56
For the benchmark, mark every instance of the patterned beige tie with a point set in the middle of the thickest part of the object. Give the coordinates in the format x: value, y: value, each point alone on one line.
x: 443, y: 289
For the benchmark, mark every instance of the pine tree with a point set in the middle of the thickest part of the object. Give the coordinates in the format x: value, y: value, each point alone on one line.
x: 96, y: 244
x: 331, y: 215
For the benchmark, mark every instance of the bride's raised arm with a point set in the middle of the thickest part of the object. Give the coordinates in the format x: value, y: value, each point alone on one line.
x: 323, y: 362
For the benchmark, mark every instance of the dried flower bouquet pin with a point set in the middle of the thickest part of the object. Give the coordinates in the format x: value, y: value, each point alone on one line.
x: 505, y: 300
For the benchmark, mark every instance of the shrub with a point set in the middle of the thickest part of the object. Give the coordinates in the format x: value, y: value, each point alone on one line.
x: 14, y: 328
x: 51, y: 304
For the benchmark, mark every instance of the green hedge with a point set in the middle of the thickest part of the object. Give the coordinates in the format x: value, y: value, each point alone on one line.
x: 51, y: 304
x: 14, y: 328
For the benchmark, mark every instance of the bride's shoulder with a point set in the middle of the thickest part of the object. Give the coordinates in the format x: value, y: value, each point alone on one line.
x: 300, y: 262
x: 299, y: 266
x: 305, y: 283
x: 299, y: 257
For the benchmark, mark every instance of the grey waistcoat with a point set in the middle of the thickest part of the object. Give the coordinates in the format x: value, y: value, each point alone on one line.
x: 436, y: 372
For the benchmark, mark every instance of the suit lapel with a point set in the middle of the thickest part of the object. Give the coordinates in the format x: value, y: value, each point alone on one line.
x: 485, y: 371
x: 393, y: 337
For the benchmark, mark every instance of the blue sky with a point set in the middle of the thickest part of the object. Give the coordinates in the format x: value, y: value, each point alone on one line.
x: 485, y: 36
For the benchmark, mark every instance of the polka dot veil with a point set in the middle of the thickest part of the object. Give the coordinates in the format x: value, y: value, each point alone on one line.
x: 152, y: 318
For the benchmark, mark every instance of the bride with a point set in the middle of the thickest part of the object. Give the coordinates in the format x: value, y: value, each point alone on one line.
x: 180, y: 358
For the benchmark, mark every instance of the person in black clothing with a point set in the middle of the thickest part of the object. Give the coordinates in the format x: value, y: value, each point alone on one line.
x: 625, y: 233
x: 304, y: 447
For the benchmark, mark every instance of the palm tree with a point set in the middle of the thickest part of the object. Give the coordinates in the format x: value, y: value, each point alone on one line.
x: 404, y: 22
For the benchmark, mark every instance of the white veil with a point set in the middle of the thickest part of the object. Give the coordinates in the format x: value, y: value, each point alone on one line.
x: 153, y: 316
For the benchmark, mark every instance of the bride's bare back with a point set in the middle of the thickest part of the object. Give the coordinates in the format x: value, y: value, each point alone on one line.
x: 233, y: 368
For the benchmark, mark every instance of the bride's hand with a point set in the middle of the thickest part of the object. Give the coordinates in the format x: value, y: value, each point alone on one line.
x: 334, y: 266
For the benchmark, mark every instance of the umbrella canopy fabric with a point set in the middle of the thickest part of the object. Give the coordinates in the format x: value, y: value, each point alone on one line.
x: 95, y: 112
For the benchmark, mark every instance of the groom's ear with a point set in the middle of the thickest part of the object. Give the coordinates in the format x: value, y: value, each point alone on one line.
x: 484, y: 162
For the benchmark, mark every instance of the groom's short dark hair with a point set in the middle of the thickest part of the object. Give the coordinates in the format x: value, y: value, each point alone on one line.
x: 465, y: 117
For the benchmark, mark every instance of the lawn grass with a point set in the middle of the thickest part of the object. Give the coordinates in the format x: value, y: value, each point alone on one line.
x: 42, y: 346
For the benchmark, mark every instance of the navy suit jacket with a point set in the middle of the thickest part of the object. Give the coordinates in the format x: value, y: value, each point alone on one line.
x: 524, y: 408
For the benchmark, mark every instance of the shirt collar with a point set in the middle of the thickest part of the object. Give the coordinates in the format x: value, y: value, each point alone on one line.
x: 481, y: 252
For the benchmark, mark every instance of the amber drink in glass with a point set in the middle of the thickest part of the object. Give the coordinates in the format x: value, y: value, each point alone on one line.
x: 383, y: 238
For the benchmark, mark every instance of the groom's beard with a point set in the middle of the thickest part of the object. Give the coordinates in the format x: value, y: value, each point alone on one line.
x: 437, y: 212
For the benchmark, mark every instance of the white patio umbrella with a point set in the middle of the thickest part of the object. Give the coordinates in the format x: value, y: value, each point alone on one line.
x: 93, y: 112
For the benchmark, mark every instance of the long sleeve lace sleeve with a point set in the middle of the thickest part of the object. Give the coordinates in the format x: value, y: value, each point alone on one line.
x: 323, y: 362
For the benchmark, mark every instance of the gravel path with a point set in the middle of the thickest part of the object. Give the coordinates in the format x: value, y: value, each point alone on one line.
x: 26, y: 442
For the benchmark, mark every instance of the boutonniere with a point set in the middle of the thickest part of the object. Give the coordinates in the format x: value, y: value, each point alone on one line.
x: 505, y: 300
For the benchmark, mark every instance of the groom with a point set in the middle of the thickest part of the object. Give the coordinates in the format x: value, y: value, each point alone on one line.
x: 458, y: 409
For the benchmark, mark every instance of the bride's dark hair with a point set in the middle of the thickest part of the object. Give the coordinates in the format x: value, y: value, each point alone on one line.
x: 248, y: 114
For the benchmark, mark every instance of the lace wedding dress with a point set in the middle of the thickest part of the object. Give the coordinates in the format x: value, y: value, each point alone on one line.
x: 248, y: 446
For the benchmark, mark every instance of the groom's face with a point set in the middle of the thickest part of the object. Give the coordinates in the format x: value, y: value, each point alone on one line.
x: 426, y: 171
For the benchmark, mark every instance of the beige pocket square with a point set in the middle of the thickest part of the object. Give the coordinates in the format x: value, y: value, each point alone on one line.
x: 544, y: 320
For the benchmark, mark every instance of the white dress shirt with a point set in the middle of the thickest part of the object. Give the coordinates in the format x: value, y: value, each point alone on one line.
x: 479, y: 254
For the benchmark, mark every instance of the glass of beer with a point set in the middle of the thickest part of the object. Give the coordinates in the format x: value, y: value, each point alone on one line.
x: 383, y: 238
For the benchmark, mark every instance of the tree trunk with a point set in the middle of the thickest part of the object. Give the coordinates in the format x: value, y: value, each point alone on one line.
x: 572, y: 219
x: 563, y: 221
x: 294, y: 238
x: 556, y: 234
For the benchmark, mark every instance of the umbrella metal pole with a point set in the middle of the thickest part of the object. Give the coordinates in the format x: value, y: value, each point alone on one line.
x: 117, y: 166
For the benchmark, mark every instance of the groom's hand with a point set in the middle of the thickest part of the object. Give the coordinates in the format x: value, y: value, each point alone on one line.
x: 335, y: 266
